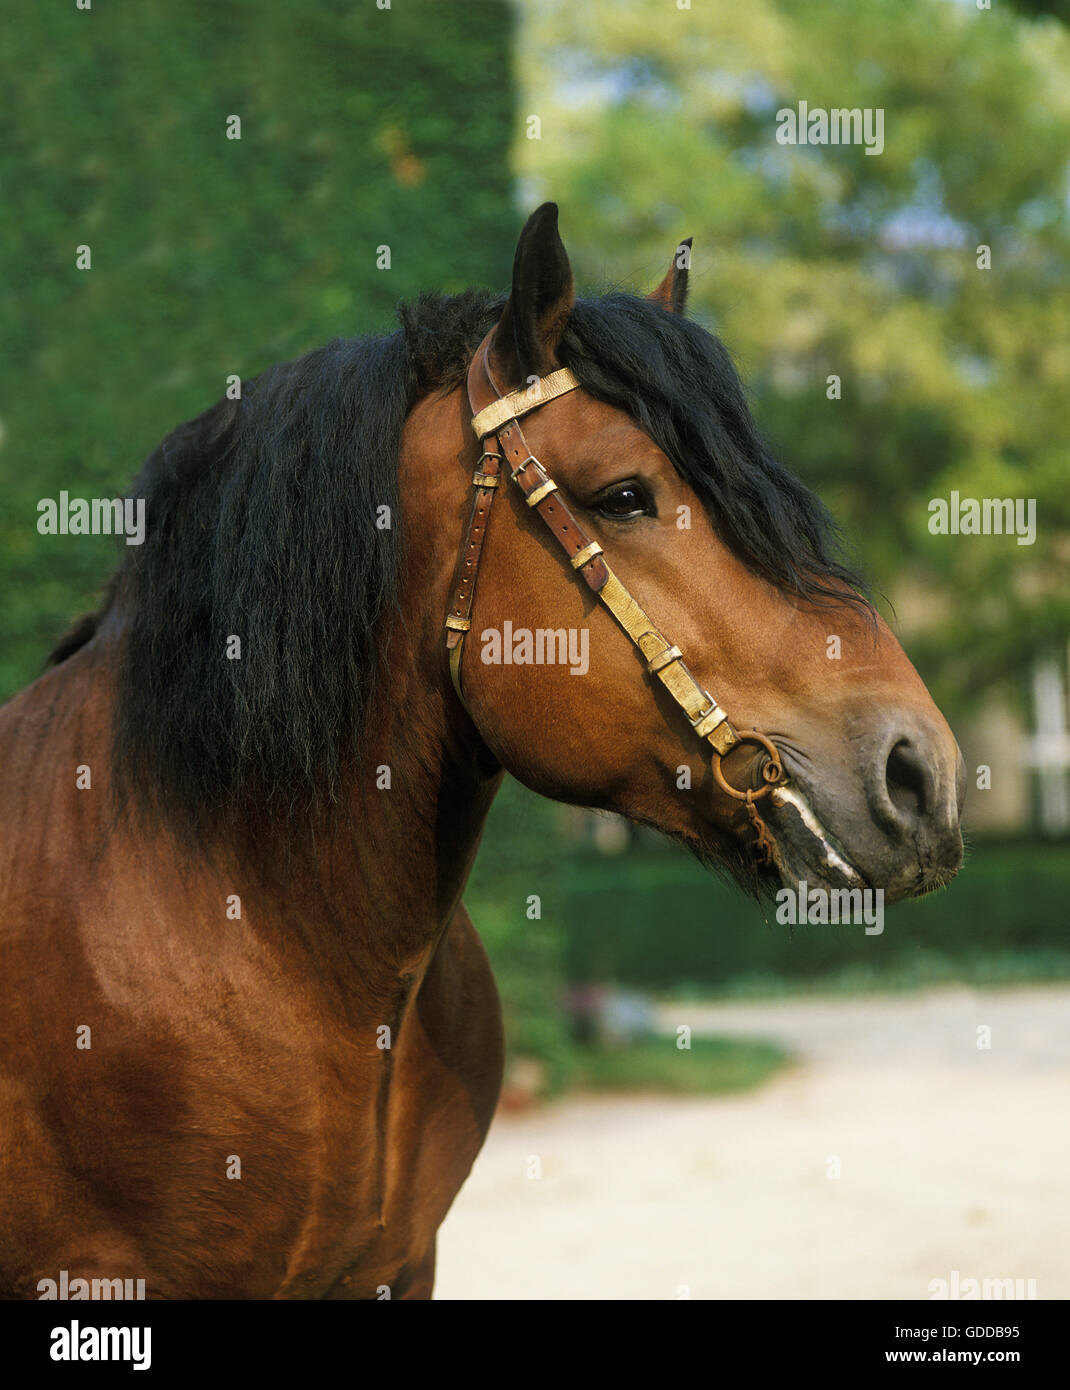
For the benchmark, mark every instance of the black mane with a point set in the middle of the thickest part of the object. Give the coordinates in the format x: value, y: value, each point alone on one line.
x: 261, y: 524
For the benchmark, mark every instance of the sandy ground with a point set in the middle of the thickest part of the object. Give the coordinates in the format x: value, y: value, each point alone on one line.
x: 951, y: 1157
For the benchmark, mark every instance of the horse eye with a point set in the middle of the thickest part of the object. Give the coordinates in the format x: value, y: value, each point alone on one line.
x: 623, y: 501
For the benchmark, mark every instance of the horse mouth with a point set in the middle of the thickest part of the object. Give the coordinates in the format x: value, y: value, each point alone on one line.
x: 805, y: 849
x: 831, y: 864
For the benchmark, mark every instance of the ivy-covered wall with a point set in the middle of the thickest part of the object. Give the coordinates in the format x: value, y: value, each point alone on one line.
x: 360, y: 128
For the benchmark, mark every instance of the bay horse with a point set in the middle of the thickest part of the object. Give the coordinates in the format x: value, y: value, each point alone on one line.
x: 251, y: 1044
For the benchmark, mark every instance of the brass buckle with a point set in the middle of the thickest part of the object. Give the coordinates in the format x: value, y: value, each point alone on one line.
x: 514, y: 473
x: 703, y: 722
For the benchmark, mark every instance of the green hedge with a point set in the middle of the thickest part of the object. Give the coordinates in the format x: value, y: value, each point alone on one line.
x: 213, y: 256
x: 652, y: 919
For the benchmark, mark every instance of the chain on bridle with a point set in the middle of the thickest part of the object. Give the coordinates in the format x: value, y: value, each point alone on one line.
x: 496, y: 421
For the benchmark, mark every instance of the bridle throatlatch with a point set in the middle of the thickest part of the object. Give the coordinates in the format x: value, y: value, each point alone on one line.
x: 496, y: 421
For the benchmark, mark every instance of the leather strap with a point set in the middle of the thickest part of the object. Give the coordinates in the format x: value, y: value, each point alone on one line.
x: 459, y: 619
x: 496, y: 421
x: 518, y: 403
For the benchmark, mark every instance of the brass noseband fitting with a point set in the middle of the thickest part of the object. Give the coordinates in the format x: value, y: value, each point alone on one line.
x: 772, y: 771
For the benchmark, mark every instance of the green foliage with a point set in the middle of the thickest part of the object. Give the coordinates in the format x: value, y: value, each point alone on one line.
x: 653, y: 918
x: 526, y: 953
x: 709, y: 1067
x: 213, y: 256
x: 928, y: 969
x: 659, y: 122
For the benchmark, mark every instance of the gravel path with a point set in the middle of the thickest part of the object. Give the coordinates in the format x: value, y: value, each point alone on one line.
x: 951, y: 1157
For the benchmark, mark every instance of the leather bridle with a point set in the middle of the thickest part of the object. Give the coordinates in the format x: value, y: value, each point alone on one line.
x: 496, y: 421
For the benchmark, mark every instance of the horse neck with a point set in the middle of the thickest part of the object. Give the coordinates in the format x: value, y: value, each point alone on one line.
x: 363, y: 900
x: 368, y: 895
x: 390, y: 875
x: 425, y: 780
x: 420, y: 796
x: 373, y: 887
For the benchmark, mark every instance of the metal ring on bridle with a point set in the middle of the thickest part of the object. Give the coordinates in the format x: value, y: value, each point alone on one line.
x: 772, y: 772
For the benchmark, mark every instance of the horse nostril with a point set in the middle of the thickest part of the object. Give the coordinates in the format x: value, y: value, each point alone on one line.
x: 911, y: 770
x: 908, y: 783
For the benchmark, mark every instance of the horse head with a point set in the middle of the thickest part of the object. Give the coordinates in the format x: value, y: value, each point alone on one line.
x: 633, y: 442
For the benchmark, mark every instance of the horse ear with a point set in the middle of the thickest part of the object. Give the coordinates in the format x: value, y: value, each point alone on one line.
x: 530, y: 328
x: 671, y: 294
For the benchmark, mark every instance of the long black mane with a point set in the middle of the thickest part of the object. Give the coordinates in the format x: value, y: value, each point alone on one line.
x: 265, y: 524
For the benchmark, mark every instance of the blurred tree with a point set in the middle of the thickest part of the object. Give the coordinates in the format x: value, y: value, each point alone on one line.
x: 1060, y: 9
x: 657, y: 122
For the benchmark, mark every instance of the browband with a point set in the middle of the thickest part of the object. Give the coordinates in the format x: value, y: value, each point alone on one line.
x: 518, y: 403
